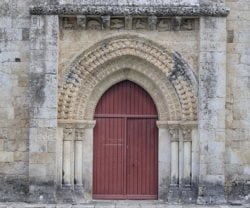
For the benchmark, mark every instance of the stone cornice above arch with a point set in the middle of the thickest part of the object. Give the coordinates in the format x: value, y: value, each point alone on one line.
x: 67, y: 9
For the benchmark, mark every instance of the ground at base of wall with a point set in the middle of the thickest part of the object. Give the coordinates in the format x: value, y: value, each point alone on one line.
x: 117, y: 204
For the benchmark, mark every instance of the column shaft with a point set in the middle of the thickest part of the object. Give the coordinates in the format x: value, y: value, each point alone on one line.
x: 181, y: 157
x: 78, y: 162
x: 187, y: 145
x: 174, y: 162
x: 67, y: 162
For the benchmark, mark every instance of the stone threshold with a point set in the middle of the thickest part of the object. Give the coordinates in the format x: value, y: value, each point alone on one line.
x: 118, y: 204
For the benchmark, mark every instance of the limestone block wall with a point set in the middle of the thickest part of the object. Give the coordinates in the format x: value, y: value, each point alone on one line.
x: 28, y: 126
x: 14, y: 104
x: 237, y: 158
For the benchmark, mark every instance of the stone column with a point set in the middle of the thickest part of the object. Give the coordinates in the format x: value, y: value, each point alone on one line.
x: 187, y: 149
x: 173, y: 195
x: 59, y: 156
x: 195, y: 156
x: 87, y: 163
x: 68, y: 157
x: 212, y: 94
x: 78, y: 156
x: 181, y: 157
x: 174, y: 156
x: 164, y: 159
x: 44, y: 32
x: 67, y: 163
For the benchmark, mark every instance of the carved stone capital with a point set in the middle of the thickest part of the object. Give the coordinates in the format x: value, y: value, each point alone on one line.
x: 174, y: 132
x: 186, y: 133
x: 68, y: 134
x: 187, y: 128
x: 79, y: 134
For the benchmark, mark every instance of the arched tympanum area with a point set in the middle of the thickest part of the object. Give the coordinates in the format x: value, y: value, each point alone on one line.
x: 170, y: 84
x: 125, y: 144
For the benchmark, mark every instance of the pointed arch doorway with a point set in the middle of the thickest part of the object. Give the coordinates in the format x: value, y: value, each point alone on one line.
x: 125, y: 144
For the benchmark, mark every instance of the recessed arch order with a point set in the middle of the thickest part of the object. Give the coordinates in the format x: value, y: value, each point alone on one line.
x: 162, y: 73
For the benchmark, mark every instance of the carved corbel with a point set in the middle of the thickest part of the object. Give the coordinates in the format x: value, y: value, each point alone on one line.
x: 105, y: 22
x: 152, y: 22
x: 81, y: 21
x: 128, y: 22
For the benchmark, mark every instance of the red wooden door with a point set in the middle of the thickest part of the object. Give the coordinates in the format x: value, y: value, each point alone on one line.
x: 125, y: 144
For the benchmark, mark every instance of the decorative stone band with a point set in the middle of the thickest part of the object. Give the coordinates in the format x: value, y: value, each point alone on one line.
x: 75, y: 129
x: 177, y: 124
x: 67, y: 9
x: 77, y: 124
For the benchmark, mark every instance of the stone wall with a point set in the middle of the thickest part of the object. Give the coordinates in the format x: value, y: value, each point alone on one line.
x: 22, y: 80
x: 14, y: 101
x: 237, y: 158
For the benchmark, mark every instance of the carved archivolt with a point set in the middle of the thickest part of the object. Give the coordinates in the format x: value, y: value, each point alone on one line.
x: 166, y: 77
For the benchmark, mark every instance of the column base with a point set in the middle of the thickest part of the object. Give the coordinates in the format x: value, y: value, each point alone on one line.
x: 14, y: 189
x: 71, y: 195
x: 42, y: 193
x: 174, y: 194
x: 182, y: 194
x: 65, y: 195
x: 211, y: 194
x: 189, y: 194
x: 79, y: 194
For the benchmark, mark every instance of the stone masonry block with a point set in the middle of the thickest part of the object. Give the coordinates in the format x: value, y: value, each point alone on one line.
x: 20, y: 145
x: 1, y: 144
x: 38, y: 145
x: 42, y: 158
x: 21, y: 156
x: 6, y: 157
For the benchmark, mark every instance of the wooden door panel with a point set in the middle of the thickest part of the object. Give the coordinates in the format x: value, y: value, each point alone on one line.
x: 142, y: 158
x: 126, y: 98
x: 109, y: 148
x: 125, y: 144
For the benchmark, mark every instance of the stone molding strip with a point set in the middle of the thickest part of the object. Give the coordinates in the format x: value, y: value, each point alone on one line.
x: 81, y: 124
x: 177, y: 124
x: 68, y: 9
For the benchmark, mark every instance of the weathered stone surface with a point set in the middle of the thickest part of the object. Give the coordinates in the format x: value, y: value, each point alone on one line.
x: 167, y: 45
x: 129, y: 10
